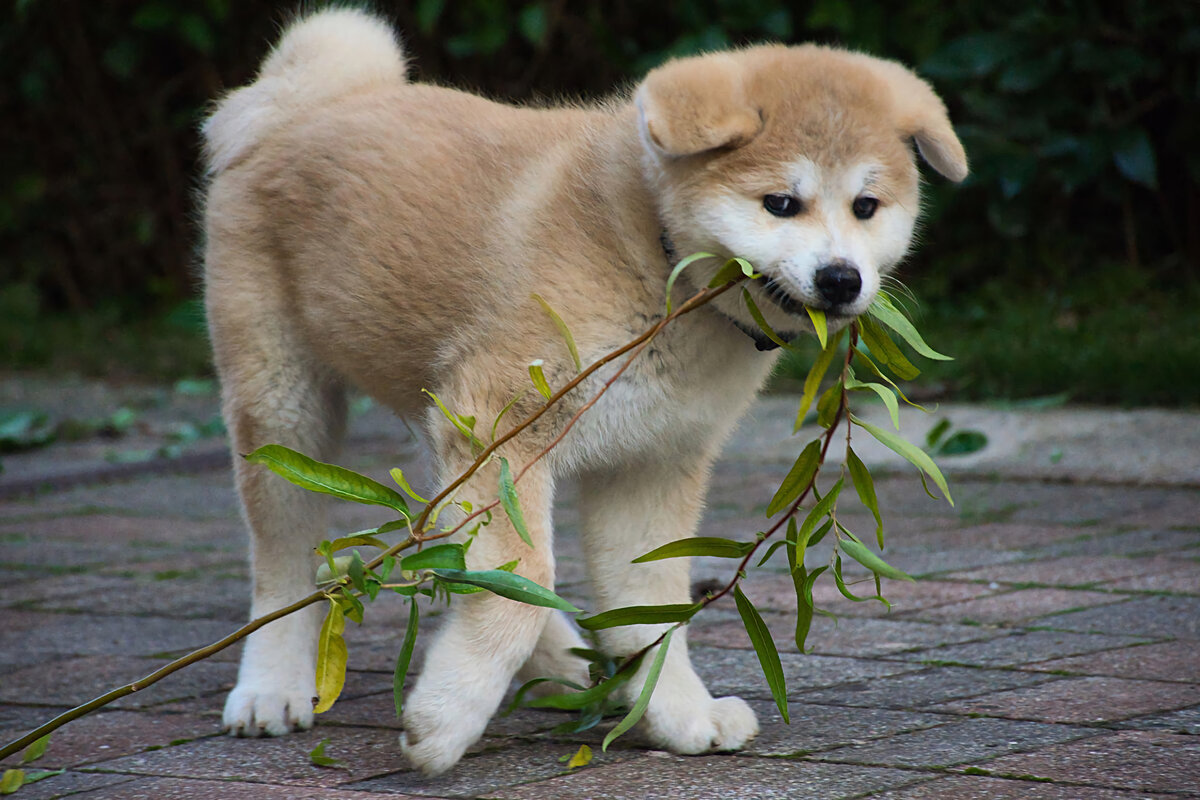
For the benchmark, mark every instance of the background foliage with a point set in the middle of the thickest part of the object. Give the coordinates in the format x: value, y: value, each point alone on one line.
x: 1077, y: 239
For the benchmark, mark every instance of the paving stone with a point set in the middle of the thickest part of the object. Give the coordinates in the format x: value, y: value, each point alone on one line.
x: 1143, y: 760
x: 108, y: 734
x: 72, y: 783
x: 924, y: 688
x: 1164, y: 661
x: 74, y: 681
x: 1020, y: 647
x: 1182, y: 577
x: 164, y: 595
x: 365, y: 753
x: 1157, y: 616
x: 1144, y: 541
x: 1185, y: 720
x: 995, y: 535
x: 955, y: 743
x: 1015, y: 607
x: 88, y: 634
x: 378, y: 710
x: 822, y: 727
x: 853, y: 637
x: 203, y: 496
x: 1086, y: 700
x: 979, y: 787
x: 492, y: 770
x: 739, y: 672
x: 1078, y: 571
x: 128, y: 531
x: 176, y: 789
x: 666, y: 777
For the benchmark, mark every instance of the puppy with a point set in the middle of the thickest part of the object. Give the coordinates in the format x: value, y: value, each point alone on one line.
x: 362, y: 230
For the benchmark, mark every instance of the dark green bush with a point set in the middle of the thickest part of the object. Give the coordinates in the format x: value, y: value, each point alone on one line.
x: 1079, y: 118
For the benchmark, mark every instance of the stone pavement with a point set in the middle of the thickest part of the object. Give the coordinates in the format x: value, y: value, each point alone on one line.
x: 1050, y: 651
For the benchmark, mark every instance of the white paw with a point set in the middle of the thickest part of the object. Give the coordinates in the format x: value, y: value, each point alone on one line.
x: 253, y: 711
x: 435, y: 736
x: 727, y: 723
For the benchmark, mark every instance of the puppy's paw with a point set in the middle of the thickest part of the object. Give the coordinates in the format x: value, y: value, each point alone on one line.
x: 438, y: 730
x: 695, y: 726
x: 253, y: 711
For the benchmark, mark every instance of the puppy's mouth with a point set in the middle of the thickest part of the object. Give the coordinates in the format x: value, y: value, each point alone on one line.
x: 789, y: 304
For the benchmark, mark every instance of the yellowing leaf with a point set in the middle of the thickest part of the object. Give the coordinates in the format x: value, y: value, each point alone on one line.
x: 563, y: 330
x: 332, y: 656
x: 582, y: 757
x: 538, y: 376
x: 820, y: 325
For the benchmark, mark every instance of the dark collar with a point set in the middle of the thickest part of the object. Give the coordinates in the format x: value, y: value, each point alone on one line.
x: 760, y: 339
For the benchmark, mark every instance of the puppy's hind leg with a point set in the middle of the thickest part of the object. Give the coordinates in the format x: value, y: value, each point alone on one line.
x: 628, y: 512
x: 274, y: 395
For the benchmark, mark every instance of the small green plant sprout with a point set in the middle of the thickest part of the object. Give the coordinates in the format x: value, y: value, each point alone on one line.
x: 413, y: 554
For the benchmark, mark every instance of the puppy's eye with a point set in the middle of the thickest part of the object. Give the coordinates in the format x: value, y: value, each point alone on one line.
x: 782, y: 205
x: 865, y: 207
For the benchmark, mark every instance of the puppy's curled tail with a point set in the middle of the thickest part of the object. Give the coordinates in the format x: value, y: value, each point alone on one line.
x: 319, y: 57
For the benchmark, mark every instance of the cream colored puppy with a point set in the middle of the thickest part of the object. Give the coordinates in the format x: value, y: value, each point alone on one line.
x: 365, y: 231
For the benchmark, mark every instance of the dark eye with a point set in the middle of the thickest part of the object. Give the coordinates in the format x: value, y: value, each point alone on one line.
x: 865, y: 207
x: 782, y: 205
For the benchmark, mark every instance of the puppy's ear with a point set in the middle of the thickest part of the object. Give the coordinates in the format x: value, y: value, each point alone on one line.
x: 696, y: 104
x: 921, y: 114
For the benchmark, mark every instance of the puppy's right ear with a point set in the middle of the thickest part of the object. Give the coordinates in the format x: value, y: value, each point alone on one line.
x: 696, y: 104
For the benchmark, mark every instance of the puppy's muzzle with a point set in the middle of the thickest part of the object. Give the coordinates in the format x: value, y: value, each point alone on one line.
x: 839, y: 283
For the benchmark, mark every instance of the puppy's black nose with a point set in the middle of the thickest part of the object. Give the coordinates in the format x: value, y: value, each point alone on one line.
x: 839, y: 282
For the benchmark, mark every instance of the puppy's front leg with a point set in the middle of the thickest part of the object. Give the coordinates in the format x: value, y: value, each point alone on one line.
x: 628, y: 512
x: 486, y: 638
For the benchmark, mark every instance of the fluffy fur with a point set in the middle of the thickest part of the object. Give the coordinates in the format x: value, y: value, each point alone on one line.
x: 368, y: 231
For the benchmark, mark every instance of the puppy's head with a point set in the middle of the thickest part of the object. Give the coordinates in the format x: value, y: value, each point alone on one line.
x: 799, y: 160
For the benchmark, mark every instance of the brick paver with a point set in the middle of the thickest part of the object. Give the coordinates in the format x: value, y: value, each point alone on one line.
x: 1050, y: 652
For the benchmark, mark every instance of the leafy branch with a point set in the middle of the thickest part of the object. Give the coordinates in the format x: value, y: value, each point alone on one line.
x: 435, y: 569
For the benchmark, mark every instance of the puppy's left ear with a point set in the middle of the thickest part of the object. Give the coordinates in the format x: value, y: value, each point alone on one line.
x: 922, y: 115
x: 696, y: 104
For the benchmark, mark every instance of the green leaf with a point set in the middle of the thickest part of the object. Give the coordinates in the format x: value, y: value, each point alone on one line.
x: 804, y: 604
x: 820, y: 326
x: 405, y: 657
x: 400, y: 480
x: 887, y: 395
x: 764, y: 646
x: 865, y: 486
x: 331, y: 658
x: 334, y: 570
x: 698, y: 546
x: 507, y: 407
x: 680, y: 267
x: 829, y: 405
x: 511, y: 503
x: 506, y: 584
x: 961, y: 443
x: 639, y: 707
x: 573, y: 701
x: 530, y: 684
x: 884, y: 349
x: 821, y: 510
x: 583, y: 756
x: 356, y: 540
x: 798, y: 477
x: 464, y: 424
x: 439, y: 556
x: 35, y: 750
x: 639, y: 615
x: 326, y: 478
x: 563, y: 330
x: 914, y: 454
x: 732, y: 270
x: 12, y: 780
x: 812, y: 382
x: 355, y: 571
x: 762, y: 323
x: 936, y: 433
x: 884, y: 310
x: 317, y: 756
x: 539, y: 378
x: 867, y: 557
x: 883, y: 377
x: 841, y: 583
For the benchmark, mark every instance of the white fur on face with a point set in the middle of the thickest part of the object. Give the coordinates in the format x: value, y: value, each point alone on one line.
x: 791, y: 249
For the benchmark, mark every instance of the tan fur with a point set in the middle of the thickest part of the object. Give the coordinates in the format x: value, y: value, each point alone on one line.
x: 362, y: 230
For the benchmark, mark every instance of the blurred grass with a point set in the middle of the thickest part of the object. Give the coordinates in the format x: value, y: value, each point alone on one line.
x: 1115, y: 340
